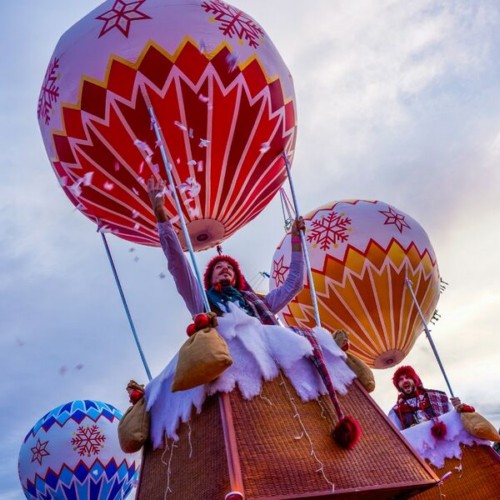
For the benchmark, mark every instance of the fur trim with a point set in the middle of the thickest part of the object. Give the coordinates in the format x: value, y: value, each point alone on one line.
x: 410, y: 373
x: 239, y: 284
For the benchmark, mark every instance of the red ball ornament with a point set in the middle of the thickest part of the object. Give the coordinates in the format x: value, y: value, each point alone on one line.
x: 191, y: 329
x: 135, y: 395
x: 202, y: 321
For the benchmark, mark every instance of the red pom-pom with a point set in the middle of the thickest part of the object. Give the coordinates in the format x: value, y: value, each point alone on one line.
x: 135, y: 395
x: 347, y: 433
x: 191, y: 329
x: 439, y: 430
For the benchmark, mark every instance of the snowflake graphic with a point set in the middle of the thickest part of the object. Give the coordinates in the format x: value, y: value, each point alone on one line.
x: 39, y: 451
x: 233, y: 22
x: 330, y: 229
x: 88, y: 440
x: 50, y: 92
x: 393, y: 217
x: 279, y: 271
x: 121, y: 15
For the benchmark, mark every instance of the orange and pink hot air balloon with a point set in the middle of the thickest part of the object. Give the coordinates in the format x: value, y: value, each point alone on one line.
x: 222, y: 96
x: 362, y: 253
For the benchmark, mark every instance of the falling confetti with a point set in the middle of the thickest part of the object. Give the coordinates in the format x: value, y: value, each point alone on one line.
x: 190, y: 187
x: 108, y: 186
x: 141, y: 167
x: 136, y: 259
x: 264, y: 147
x: 79, y: 366
x: 180, y: 125
x: 135, y: 214
x: 203, y: 143
x: 200, y: 166
x: 203, y: 98
x: 231, y: 60
x: 117, y: 166
x: 191, y: 133
x: 134, y: 190
x: 87, y: 178
x: 131, y: 249
x: 137, y: 226
x: 162, y: 276
x: 192, y: 163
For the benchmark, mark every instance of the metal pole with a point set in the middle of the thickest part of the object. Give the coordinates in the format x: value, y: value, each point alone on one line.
x: 428, y: 334
x: 304, y: 248
x: 127, y: 311
x: 168, y: 169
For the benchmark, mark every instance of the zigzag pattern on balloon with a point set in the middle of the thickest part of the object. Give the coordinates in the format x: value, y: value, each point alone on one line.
x: 246, y: 109
x: 365, y: 293
x: 77, y: 411
x: 106, y: 481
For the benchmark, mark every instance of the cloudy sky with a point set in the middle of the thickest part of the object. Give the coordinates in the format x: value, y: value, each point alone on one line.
x: 397, y: 101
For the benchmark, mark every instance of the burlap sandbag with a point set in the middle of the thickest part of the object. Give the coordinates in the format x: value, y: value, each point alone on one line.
x: 202, y: 358
x: 363, y: 372
x: 133, y: 428
x: 478, y: 426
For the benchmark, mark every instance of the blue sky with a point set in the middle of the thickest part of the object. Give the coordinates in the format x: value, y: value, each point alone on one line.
x: 397, y: 101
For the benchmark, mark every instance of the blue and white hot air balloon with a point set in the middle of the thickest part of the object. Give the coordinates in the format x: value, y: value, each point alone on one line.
x: 73, y: 453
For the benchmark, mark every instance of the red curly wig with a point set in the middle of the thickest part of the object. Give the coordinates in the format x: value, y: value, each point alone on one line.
x: 239, y: 283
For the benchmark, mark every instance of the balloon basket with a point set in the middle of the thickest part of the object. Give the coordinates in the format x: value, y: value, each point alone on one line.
x: 285, y: 450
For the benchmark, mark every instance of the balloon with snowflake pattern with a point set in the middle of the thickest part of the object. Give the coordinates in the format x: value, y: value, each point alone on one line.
x: 361, y: 254
x: 73, y: 452
x: 223, y: 98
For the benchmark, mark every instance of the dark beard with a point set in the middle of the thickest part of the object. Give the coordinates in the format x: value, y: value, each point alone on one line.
x: 225, y: 282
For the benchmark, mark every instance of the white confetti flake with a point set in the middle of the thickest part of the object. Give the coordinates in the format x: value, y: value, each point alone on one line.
x: 156, y: 169
x: 87, y: 178
x: 192, y: 163
x: 203, y: 47
x: 141, y: 167
x: 191, y: 133
x: 158, y: 144
x: 203, y: 98
x: 75, y: 189
x: 200, y: 166
x: 135, y: 214
x: 180, y: 125
x: 203, y: 143
x: 134, y: 190
x: 264, y: 147
x: 108, y: 186
x: 190, y: 187
x: 194, y: 212
x: 141, y: 180
x: 231, y: 61
x: 137, y: 226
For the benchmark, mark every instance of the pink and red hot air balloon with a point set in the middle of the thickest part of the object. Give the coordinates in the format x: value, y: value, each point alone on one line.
x: 362, y: 253
x: 221, y: 93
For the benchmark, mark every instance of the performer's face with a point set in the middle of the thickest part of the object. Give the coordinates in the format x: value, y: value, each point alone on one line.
x: 406, y: 384
x: 223, y: 273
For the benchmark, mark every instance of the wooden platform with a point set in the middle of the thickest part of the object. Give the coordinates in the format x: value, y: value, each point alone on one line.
x: 278, y: 458
x: 475, y: 477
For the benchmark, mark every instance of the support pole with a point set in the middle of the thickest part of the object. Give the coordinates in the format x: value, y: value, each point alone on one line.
x: 428, y: 334
x: 304, y: 248
x: 125, y: 306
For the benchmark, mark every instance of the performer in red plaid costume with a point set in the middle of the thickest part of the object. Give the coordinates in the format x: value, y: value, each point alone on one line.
x: 415, y: 403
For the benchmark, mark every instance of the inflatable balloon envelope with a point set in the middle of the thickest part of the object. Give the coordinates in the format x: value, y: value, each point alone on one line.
x: 73, y: 453
x: 221, y: 94
x: 362, y: 254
